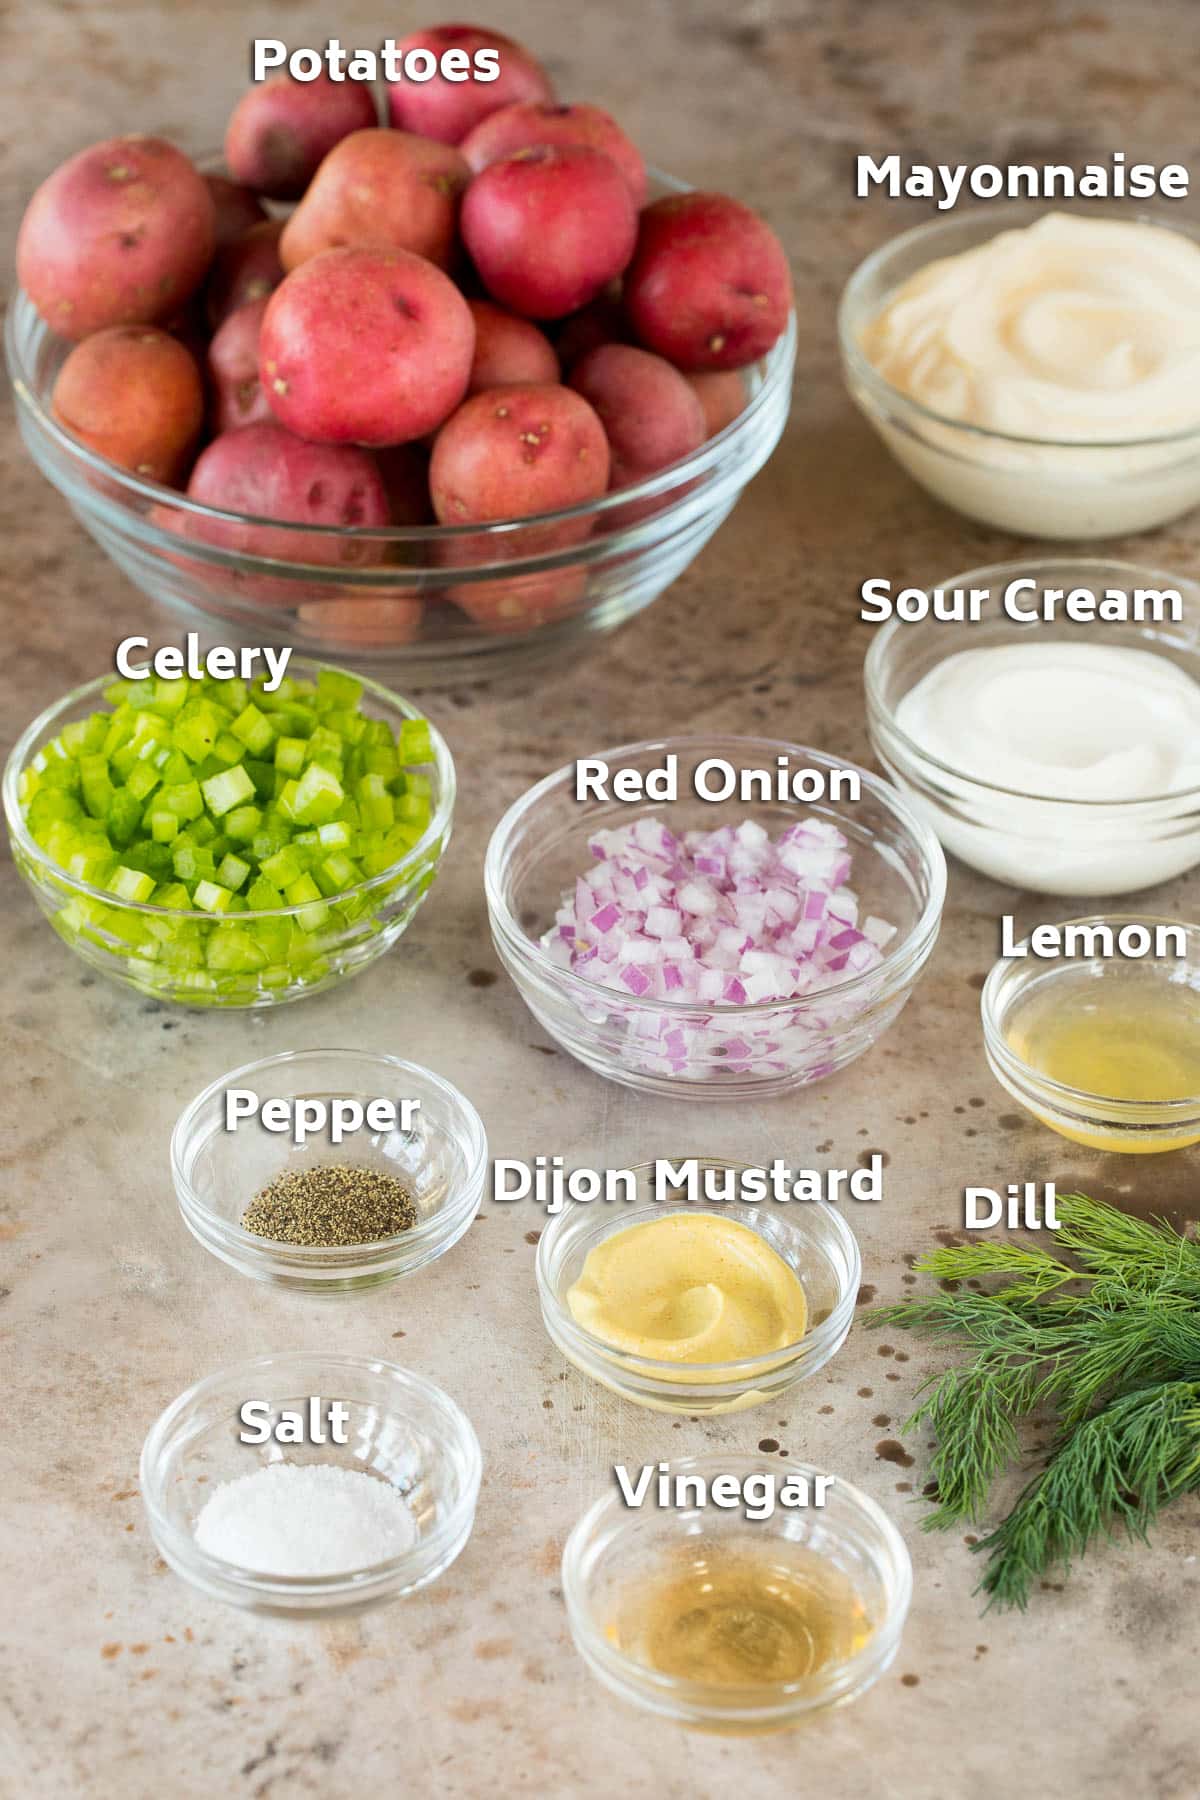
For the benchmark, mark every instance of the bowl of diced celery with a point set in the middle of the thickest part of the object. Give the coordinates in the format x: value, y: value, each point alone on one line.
x: 212, y: 844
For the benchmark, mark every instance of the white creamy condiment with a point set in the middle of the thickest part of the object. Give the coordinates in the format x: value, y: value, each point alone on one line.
x: 1077, y: 329
x: 1075, y: 337
x: 1111, y: 727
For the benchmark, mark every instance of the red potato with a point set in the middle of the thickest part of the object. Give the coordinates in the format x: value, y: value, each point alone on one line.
x: 548, y: 227
x: 522, y: 602
x: 133, y: 394
x: 650, y: 415
x: 245, y: 270
x: 281, y: 130
x: 236, y: 208
x: 448, y: 110
x: 366, y: 347
x: 120, y: 234
x: 508, y: 350
x: 384, y: 189
x: 531, y: 122
x: 366, y: 619
x: 722, y: 396
x: 237, y: 393
x: 263, y: 470
x: 602, y: 321
x: 709, y: 286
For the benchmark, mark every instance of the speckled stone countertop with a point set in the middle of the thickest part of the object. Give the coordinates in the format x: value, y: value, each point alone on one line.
x: 118, y: 1681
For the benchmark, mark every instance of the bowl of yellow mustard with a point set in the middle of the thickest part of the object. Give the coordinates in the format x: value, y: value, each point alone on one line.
x: 695, y: 1307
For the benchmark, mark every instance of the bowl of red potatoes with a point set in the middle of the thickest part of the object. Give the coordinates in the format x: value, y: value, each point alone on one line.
x: 436, y: 392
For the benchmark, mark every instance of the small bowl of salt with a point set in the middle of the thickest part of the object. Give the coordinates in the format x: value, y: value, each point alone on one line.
x: 346, y: 1482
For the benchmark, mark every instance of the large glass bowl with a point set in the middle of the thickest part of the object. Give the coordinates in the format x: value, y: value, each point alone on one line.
x: 168, y: 953
x: 439, y: 603
x: 683, y: 1048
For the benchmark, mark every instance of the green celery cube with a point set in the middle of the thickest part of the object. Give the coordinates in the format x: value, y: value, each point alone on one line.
x: 253, y: 729
x: 164, y: 826
x: 318, y: 796
x: 232, y: 871
x: 130, y: 884
x: 210, y: 898
x: 242, y: 823
x: 225, y: 791
x: 416, y: 743
x: 289, y: 755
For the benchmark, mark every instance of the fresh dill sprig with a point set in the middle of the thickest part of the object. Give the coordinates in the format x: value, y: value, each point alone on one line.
x: 1110, y: 1340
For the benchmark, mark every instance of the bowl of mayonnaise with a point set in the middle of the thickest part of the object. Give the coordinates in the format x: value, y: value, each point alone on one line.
x: 1036, y: 369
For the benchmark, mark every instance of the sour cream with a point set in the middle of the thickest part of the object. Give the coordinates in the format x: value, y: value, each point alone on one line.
x: 1067, y: 768
x: 1073, y: 339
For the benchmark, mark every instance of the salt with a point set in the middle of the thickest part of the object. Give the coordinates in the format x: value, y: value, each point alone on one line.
x: 305, y: 1519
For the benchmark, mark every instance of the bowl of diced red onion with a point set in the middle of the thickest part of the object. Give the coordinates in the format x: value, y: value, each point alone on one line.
x: 695, y: 946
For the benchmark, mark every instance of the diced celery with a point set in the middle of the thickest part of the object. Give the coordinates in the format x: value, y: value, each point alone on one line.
x: 227, y: 749
x: 242, y: 823
x: 335, y: 688
x: 203, y: 830
x: 334, y: 836
x: 124, y: 817
x: 262, y: 774
x: 234, y: 951
x: 225, y: 791
x: 210, y: 898
x: 97, y: 788
x: 285, y: 800
x: 253, y: 729
x: 170, y: 695
x: 185, y: 801
x: 193, y: 864
x: 130, y: 884
x: 318, y: 796
x: 262, y: 897
x: 164, y: 826
x: 143, y: 779
x: 415, y: 741
x: 375, y: 803
x: 283, y: 867
x: 232, y: 872
x: 289, y: 755
x: 197, y: 729
x: 337, y: 873
x: 299, y: 893
x: 232, y: 693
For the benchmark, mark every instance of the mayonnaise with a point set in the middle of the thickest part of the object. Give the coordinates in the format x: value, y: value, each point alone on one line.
x: 1077, y: 341
x: 689, y: 1288
x: 1044, y: 724
x: 1077, y: 329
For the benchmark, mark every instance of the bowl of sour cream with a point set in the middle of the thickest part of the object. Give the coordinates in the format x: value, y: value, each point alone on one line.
x: 1037, y: 370
x: 1051, y: 743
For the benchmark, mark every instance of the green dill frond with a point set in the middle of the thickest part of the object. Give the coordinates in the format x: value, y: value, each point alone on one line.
x: 1112, y: 1471
x: 1138, y: 1253
x: 1031, y: 1273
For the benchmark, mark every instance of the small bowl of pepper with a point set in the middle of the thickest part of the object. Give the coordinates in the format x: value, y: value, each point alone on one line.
x: 278, y: 1199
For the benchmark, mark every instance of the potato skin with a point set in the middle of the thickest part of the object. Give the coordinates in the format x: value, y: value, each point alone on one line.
x: 709, y: 286
x: 448, y: 110
x: 722, y: 396
x: 236, y: 208
x: 508, y: 350
x: 264, y: 470
x: 650, y: 415
x: 383, y: 189
x: 530, y: 122
x: 511, y: 452
x: 366, y: 347
x: 237, y: 393
x: 282, y: 129
x: 548, y: 227
x: 246, y: 269
x: 133, y: 394
x: 120, y: 234
x: 601, y: 321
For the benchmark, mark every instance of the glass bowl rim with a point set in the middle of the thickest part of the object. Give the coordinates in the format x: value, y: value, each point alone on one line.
x: 459, y: 1433
x: 988, y: 575
x: 664, y: 1370
x: 888, y: 1543
x: 1045, y: 1088
x: 1010, y: 215
x: 20, y: 756
x: 907, y: 950
x: 326, y: 1258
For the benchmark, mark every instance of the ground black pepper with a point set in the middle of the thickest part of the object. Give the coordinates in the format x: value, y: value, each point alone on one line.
x: 332, y: 1204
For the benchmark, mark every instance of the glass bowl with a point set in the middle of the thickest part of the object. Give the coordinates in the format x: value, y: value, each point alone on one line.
x: 1036, y: 487
x: 811, y: 1237
x: 1023, y: 991
x: 401, y: 1428
x: 442, y: 1160
x: 1039, y: 842
x: 614, y: 1548
x: 167, y: 953
x: 740, y: 1051
x: 384, y: 599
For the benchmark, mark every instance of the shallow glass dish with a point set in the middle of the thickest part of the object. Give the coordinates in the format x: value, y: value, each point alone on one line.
x: 130, y: 941
x: 1019, y: 988
x: 615, y: 1547
x: 541, y: 845
x: 401, y: 1429
x: 811, y: 1237
x: 442, y: 1161
x: 1037, y: 487
x: 1048, y: 845
x: 383, y: 599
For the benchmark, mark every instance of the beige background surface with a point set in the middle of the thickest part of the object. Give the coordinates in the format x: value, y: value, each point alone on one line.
x: 116, y: 1680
